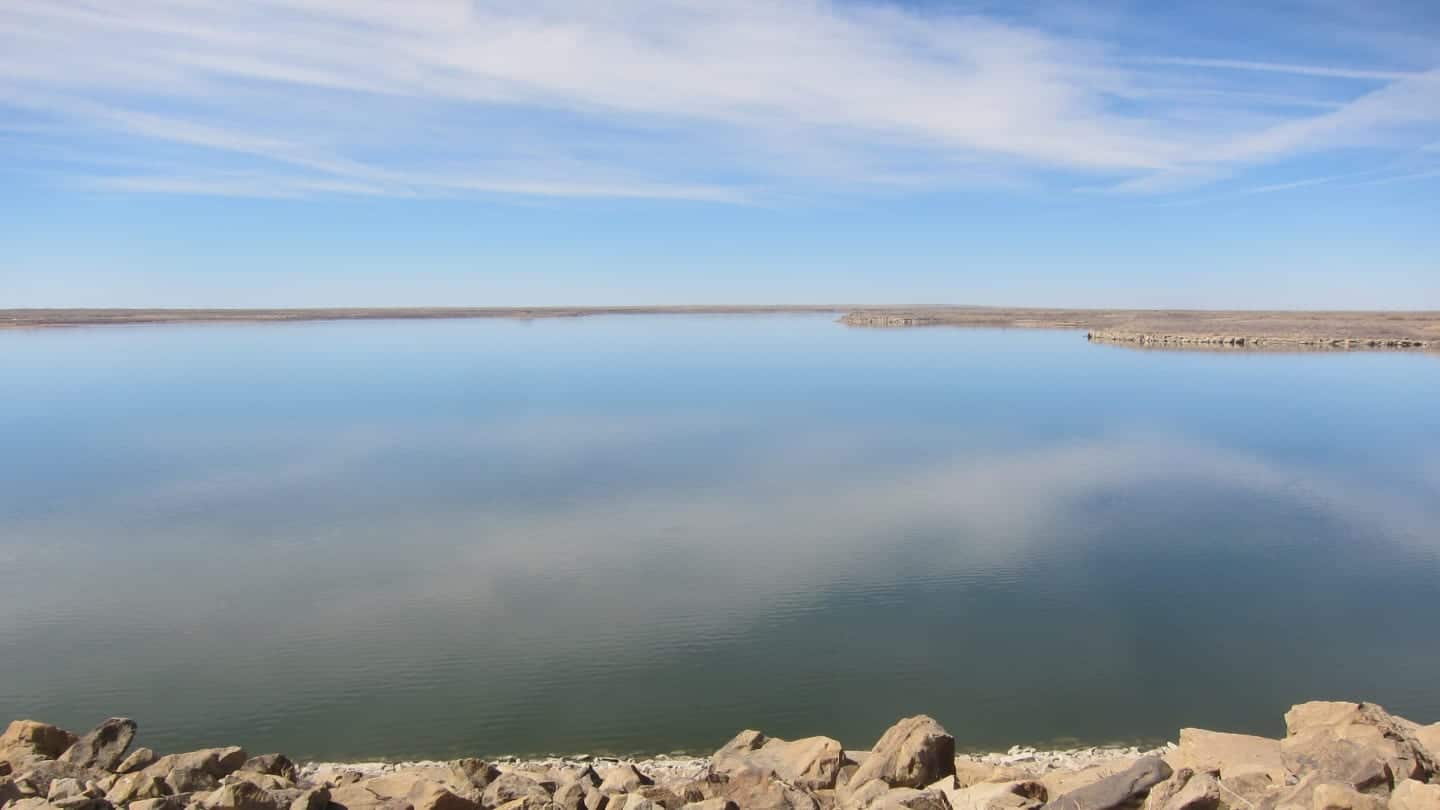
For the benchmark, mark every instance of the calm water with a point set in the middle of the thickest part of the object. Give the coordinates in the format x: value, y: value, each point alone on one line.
x: 646, y: 533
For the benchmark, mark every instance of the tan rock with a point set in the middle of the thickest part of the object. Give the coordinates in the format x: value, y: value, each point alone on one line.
x: 623, y: 779
x: 996, y: 795
x: 1429, y: 736
x: 1058, y: 783
x: 1335, y: 796
x: 1229, y: 755
x: 1185, y: 790
x: 914, y: 752
x: 26, y: 741
x: 134, y: 786
x: 138, y: 759
x: 178, y: 802
x: 508, y: 787
x: 434, y: 796
x: 719, y: 803
x: 197, y: 770
x: 243, y: 796
x: 1413, y: 795
x: 761, y: 790
x: 1320, y: 752
x: 1369, y: 726
x: 813, y: 762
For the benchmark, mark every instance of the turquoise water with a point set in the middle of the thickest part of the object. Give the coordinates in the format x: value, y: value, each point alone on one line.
x: 643, y: 534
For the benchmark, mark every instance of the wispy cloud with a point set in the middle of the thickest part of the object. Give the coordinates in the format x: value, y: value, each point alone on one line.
x: 661, y: 99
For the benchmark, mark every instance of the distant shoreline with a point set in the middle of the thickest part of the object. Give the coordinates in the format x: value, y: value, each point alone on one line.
x: 1168, y: 329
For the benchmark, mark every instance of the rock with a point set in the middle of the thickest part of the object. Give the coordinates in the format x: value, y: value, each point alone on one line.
x: 28, y: 741
x: 356, y: 797
x: 624, y: 779
x: 911, y: 799
x: 477, y: 772
x: 912, y: 753
x: 139, y: 759
x: 508, y: 787
x: 719, y: 803
x: 1123, y: 789
x: 1429, y: 736
x: 1229, y: 755
x: 1369, y: 726
x: 1334, y: 796
x: 243, y: 796
x: 104, y: 747
x: 196, y: 771
x: 31, y: 803
x: 272, y: 764
x: 996, y: 795
x: 175, y: 802
x: 1413, y: 795
x: 433, y: 796
x: 637, y: 802
x: 1335, y: 759
x: 134, y: 786
x: 812, y: 763
x: 40, y: 774
x: 9, y: 791
x: 1185, y: 790
x: 760, y: 790
x: 268, y: 781
x: 1060, y: 782
x: 311, y: 799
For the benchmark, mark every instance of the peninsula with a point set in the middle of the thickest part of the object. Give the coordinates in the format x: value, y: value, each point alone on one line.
x: 1169, y: 328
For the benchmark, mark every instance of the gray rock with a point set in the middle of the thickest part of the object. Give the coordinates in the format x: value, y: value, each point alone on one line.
x: 312, y: 799
x: 40, y: 774
x: 915, y: 752
x: 1125, y: 789
x: 104, y: 747
x: 477, y: 772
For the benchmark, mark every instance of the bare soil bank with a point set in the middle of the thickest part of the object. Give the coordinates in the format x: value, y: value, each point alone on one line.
x: 1201, y: 329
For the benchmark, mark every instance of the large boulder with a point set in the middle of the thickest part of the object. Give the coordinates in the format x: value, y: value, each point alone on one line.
x: 1229, y: 755
x: 272, y: 764
x: 1413, y: 795
x: 761, y: 790
x: 1369, y: 726
x: 104, y: 746
x: 1429, y: 736
x: 28, y: 741
x: 1123, y: 790
x: 1060, y: 782
x: 624, y: 779
x: 139, y: 759
x: 244, y: 796
x: 812, y: 763
x: 1185, y: 790
x: 135, y: 786
x: 1335, y: 796
x: 1013, y: 795
x: 196, y: 771
x: 915, y: 752
x: 508, y: 787
x: 1334, y: 759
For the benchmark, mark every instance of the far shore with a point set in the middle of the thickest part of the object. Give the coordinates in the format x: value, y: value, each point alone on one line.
x: 1273, y: 330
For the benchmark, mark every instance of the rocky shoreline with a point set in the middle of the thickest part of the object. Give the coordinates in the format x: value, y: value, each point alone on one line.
x: 1335, y: 756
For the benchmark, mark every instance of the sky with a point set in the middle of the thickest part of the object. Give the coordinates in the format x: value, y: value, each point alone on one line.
x: 535, y: 152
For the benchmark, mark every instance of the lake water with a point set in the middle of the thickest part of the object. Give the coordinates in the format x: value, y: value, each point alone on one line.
x: 643, y: 534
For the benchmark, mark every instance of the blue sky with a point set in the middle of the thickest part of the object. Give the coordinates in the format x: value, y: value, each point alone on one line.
x: 373, y: 152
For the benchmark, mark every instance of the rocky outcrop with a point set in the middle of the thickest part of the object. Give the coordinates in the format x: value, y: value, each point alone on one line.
x: 1335, y: 756
x: 913, y: 753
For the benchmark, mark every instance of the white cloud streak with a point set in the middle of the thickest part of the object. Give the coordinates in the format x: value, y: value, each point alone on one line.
x: 660, y: 99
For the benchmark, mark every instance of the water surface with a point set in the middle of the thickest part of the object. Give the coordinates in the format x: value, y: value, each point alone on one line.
x: 642, y: 534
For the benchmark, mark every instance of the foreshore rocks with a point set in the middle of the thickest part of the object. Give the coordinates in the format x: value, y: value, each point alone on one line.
x: 1335, y: 756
